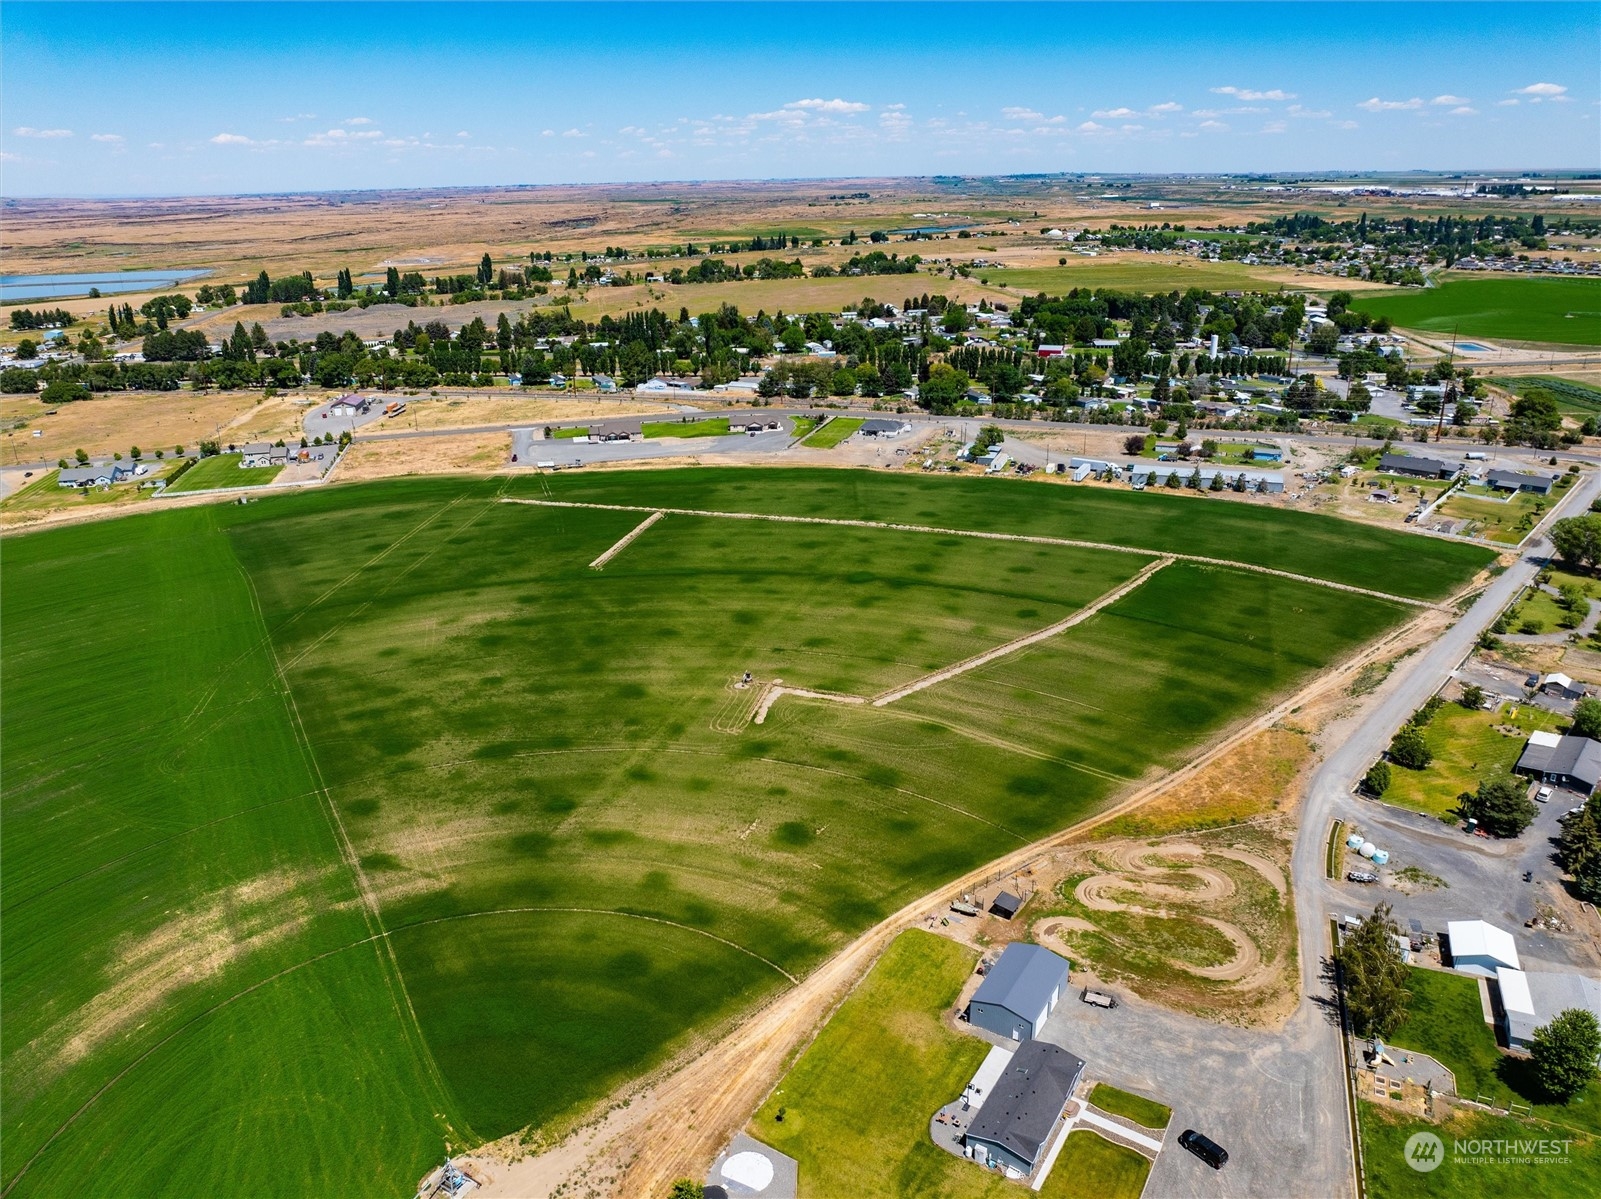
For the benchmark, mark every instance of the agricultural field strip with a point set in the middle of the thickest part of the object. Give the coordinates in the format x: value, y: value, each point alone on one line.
x: 1000, y: 651
x: 732, y: 1078
x: 987, y: 536
x: 626, y: 540
x: 776, y: 689
x: 377, y: 937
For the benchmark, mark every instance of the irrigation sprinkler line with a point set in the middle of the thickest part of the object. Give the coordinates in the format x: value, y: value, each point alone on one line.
x: 1033, y: 539
x: 626, y: 540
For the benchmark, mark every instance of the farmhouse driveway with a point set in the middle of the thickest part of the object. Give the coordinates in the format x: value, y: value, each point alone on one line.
x: 1271, y: 1098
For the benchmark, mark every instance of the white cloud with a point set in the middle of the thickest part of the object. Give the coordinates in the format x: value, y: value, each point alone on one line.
x: 462, y: 133
x: 1543, y: 90
x: 1116, y: 114
x: 1344, y: 124
x: 358, y: 121
x: 7, y: 156
x: 547, y: 133
x: 1091, y: 127
x: 1166, y: 107
x: 30, y: 131
x: 1297, y: 110
x: 1450, y: 101
x: 105, y: 137
x: 1245, y: 93
x: 835, y: 105
x: 572, y: 133
x: 1213, y: 126
x: 1275, y: 127
x: 1506, y: 103
x: 1024, y: 114
x: 1377, y: 105
x: 231, y: 139
x: 1463, y: 110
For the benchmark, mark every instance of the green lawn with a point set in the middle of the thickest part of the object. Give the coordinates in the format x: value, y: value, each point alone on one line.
x: 1092, y: 1167
x: 1142, y: 1111
x: 803, y: 425
x: 223, y: 470
x: 833, y: 432
x: 1446, y: 1022
x: 545, y: 786
x: 578, y: 432
x: 1384, y: 1137
x: 857, y: 1103
x: 711, y: 426
x: 1504, y: 521
x: 1466, y: 748
x: 1564, y: 311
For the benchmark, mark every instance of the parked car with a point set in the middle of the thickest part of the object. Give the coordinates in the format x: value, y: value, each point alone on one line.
x: 1361, y: 876
x: 1543, y: 795
x: 1205, y: 1148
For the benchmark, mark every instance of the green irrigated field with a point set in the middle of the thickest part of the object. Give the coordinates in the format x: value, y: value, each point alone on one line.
x: 1135, y: 273
x: 1293, y: 541
x: 1481, y: 1169
x: 375, y: 817
x: 1563, y: 311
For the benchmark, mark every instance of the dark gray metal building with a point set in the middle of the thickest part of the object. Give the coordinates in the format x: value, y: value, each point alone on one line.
x: 1021, y: 989
x: 1013, y: 1126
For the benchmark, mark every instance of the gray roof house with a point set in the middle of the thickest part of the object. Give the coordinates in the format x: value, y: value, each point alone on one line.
x: 1013, y: 1127
x: 1021, y: 989
x: 878, y: 427
x: 1567, y: 761
x: 1529, y: 1000
x: 1511, y: 480
x: 1423, y: 468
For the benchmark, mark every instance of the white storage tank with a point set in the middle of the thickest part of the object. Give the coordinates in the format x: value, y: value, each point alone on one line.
x: 1368, y: 849
x: 1354, y: 841
x: 1381, y: 857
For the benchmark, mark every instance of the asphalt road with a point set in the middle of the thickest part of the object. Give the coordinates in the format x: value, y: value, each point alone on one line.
x: 1414, y: 680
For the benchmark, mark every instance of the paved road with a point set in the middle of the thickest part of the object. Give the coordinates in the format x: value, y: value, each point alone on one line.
x: 1414, y: 680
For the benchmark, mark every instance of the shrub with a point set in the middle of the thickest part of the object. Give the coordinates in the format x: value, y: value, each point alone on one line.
x: 1409, y: 749
x: 1377, y: 779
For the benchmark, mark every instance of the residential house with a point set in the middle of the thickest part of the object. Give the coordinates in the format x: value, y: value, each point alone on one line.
x: 1418, y: 467
x: 1511, y: 480
x: 1013, y: 1127
x: 1572, y: 762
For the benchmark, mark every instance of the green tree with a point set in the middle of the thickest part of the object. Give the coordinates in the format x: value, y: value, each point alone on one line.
x: 944, y: 388
x: 1472, y: 696
x: 1501, y: 806
x: 27, y: 349
x: 1373, y: 975
x: 1587, y: 718
x: 1579, y: 850
x: 1537, y: 409
x: 1377, y: 779
x: 1577, y: 540
x: 1564, y: 1053
x: 1409, y: 749
x: 62, y: 391
x: 687, y: 1188
x: 82, y: 456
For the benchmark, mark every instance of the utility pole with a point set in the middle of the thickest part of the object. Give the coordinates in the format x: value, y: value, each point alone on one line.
x: 1450, y: 361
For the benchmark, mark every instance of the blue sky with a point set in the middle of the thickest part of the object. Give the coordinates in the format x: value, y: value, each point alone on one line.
x: 193, y: 98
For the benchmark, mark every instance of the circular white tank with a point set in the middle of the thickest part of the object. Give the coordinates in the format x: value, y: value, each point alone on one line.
x: 1381, y: 857
x: 1368, y: 849
x: 1353, y: 841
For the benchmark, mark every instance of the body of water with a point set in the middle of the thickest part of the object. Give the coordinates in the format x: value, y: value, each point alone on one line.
x: 15, y: 289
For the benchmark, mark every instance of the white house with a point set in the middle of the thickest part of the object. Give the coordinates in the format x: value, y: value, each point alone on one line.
x: 1531, y: 1000
x: 1480, y: 948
